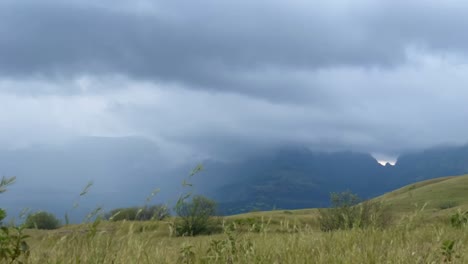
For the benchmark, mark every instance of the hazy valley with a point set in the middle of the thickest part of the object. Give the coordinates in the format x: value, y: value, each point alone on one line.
x: 125, y: 170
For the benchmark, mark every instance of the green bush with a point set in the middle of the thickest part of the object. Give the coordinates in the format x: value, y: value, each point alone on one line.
x: 155, y: 212
x: 459, y: 219
x: 195, y: 217
x: 447, y: 205
x: 347, y: 212
x: 13, y: 245
x: 42, y: 220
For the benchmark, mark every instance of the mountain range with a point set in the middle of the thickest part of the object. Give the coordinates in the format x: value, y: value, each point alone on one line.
x: 126, y: 170
x: 293, y: 178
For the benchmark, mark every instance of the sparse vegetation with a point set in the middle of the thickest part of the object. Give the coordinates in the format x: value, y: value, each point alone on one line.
x: 448, y: 251
x: 13, y: 245
x: 195, y: 217
x: 347, y: 212
x: 447, y: 205
x: 459, y: 219
x: 360, y: 235
x: 195, y: 213
x: 42, y: 220
x: 124, y: 242
x: 155, y: 212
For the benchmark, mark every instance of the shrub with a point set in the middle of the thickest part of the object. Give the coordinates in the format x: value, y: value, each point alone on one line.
x: 195, y: 216
x: 13, y: 245
x: 231, y: 249
x: 447, y: 205
x: 448, y: 251
x: 42, y: 220
x: 347, y: 212
x: 459, y: 219
x: 195, y: 213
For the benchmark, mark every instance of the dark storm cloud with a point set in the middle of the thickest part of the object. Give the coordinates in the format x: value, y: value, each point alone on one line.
x: 222, y: 80
x: 367, y: 75
x: 215, y: 45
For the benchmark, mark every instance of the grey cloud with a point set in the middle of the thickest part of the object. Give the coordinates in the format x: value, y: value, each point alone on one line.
x: 430, y: 24
x: 227, y: 79
x: 390, y: 112
x: 371, y: 76
x: 387, y: 111
x: 204, y: 44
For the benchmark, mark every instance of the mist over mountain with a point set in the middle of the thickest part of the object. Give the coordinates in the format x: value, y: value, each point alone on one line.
x: 282, y: 106
x: 299, y: 178
x: 50, y: 177
x: 124, y: 171
x: 433, y: 163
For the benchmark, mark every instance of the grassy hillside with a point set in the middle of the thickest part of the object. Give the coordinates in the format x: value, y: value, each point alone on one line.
x: 129, y: 245
x: 439, y: 196
x: 282, y: 236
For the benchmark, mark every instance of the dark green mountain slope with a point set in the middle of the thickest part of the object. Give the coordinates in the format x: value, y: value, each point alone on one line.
x: 298, y: 178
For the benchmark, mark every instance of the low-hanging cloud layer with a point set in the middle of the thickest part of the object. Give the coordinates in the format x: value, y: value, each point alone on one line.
x: 219, y: 78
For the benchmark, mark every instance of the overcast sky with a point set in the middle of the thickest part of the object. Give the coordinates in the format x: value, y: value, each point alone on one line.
x: 218, y: 78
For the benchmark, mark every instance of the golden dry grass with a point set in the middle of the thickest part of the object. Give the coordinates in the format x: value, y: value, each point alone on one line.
x: 416, y: 236
x: 406, y: 242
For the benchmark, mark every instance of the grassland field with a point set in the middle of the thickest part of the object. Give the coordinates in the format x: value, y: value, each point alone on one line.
x: 419, y: 229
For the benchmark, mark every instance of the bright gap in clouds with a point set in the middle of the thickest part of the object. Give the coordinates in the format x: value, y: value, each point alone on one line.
x: 384, y: 162
x: 384, y: 159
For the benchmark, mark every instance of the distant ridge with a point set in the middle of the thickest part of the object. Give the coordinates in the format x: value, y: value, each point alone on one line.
x: 125, y: 170
x: 303, y: 179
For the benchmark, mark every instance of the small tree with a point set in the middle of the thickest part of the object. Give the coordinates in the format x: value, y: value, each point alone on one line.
x: 342, y: 213
x: 194, y: 216
x: 42, y: 220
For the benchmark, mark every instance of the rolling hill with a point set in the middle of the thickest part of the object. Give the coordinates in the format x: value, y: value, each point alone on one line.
x: 294, y: 178
x: 292, y: 235
x: 439, y: 195
x: 434, y: 198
